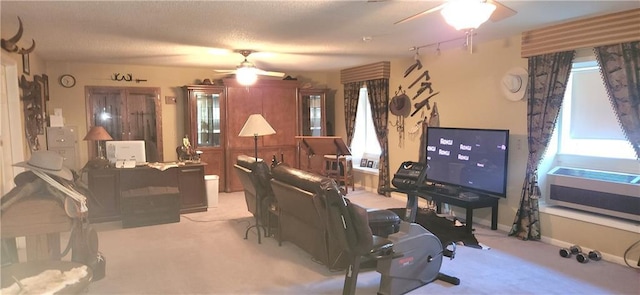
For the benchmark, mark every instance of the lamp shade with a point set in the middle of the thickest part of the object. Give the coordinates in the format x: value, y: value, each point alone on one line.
x: 467, y: 14
x: 98, y: 133
x: 256, y: 125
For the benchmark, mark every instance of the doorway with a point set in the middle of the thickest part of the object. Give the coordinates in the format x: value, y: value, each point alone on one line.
x: 11, y: 126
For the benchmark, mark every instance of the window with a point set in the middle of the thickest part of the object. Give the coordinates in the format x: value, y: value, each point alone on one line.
x: 588, y: 125
x: 365, y: 143
x: 588, y: 140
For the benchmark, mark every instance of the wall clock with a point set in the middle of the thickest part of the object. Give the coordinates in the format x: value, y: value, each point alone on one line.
x: 67, y: 81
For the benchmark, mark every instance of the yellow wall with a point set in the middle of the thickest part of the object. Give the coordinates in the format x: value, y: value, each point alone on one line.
x: 469, y: 97
x: 169, y: 80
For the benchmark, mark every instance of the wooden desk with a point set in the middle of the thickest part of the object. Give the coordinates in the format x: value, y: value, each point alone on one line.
x: 107, y: 184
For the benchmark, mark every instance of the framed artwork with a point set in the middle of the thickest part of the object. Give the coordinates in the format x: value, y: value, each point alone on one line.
x: 363, y: 162
x: 26, y: 68
x: 370, y: 164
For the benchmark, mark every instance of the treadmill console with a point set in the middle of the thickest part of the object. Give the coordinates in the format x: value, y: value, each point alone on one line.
x: 410, y: 175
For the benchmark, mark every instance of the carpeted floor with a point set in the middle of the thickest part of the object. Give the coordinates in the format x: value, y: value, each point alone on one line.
x: 206, y: 253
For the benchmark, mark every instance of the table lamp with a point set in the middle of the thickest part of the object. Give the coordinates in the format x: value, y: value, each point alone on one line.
x: 98, y: 134
x: 255, y: 126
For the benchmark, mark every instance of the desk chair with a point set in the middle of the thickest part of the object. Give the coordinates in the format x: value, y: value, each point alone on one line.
x: 340, y: 169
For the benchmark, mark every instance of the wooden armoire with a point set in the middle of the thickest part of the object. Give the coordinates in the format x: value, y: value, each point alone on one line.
x: 276, y: 100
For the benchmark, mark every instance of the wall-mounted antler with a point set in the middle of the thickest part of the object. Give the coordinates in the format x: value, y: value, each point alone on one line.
x: 11, y: 44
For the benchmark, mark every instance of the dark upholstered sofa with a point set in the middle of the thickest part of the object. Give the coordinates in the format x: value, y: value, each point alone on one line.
x: 255, y: 178
x: 303, y: 214
x: 302, y: 207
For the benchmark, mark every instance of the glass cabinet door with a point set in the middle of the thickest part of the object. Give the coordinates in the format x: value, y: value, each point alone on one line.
x: 312, y: 113
x: 208, y: 119
x: 127, y: 113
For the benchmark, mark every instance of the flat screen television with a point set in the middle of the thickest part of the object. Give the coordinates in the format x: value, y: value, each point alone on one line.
x: 126, y: 150
x: 471, y: 160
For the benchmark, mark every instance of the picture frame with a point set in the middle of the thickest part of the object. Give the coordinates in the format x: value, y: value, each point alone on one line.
x: 363, y: 162
x: 370, y: 164
x: 26, y: 67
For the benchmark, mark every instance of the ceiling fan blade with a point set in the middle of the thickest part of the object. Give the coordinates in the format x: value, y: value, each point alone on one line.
x: 224, y: 71
x: 434, y: 9
x: 501, y: 12
x: 270, y: 73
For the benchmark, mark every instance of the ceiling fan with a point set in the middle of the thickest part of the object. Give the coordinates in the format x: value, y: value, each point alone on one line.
x: 501, y: 11
x: 246, y: 73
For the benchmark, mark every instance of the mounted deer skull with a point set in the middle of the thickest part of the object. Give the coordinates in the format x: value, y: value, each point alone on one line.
x: 11, y: 45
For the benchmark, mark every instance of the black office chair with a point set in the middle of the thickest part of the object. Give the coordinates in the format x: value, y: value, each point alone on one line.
x: 349, y: 224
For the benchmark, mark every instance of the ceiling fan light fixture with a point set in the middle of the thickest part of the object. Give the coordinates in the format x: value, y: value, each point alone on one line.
x: 246, y: 75
x: 467, y: 14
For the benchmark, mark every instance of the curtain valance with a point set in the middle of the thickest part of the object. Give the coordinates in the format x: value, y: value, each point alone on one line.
x: 374, y: 71
x: 615, y: 28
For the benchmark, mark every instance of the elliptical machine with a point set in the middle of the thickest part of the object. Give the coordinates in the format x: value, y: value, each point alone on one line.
x: 420, y: 251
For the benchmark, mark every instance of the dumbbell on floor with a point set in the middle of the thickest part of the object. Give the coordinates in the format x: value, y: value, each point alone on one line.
x: 593, y: 255
x: 573, y: 250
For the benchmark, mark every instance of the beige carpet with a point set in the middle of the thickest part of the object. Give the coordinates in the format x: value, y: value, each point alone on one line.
x: 206, y: 253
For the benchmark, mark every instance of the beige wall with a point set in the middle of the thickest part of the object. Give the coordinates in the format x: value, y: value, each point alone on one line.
x: 469, y: 97
x: 169, y: 80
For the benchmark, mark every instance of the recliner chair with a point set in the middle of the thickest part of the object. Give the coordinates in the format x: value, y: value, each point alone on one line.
x: 349, y: 224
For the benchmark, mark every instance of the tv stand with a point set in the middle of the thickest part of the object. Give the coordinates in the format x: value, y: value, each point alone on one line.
x: 466, y: 200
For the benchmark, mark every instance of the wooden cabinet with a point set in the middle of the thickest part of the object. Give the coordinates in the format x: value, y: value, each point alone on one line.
x: 127, y: 113
x: 312, y: 122
x: 107, y: 185
x: 277, y: 101
x: 216, y: 114
x: 104, y: 200
x: 313, y: 118
x: 205, y: 123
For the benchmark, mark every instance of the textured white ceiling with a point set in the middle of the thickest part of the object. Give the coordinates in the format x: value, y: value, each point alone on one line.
x: 288, y: 35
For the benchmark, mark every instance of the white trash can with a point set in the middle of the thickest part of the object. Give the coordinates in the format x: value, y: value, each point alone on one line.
x: 212, y: 190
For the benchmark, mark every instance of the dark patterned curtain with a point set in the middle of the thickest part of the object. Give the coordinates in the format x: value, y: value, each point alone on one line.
x: 548, y: 76
x: 620, y: 70
x: 378, y: 91
x: 351, y: 95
